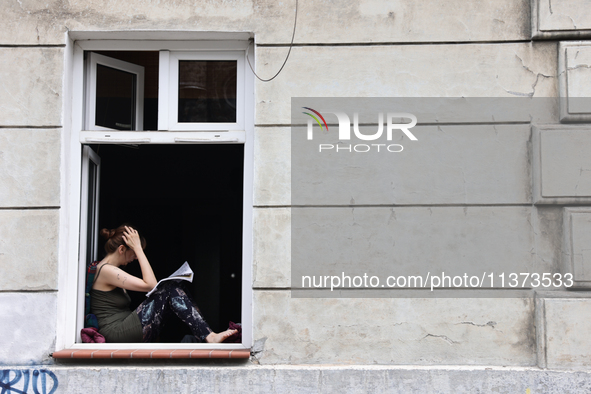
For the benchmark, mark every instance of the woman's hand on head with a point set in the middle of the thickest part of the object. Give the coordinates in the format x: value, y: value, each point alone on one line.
x: 132, y: 239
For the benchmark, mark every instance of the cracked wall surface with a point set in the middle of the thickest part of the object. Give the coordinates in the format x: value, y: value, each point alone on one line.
x: 394, y: 331
x: 503, y: 70
x: 366, y: 21
x: 574, y: 75
x: 564, y: 18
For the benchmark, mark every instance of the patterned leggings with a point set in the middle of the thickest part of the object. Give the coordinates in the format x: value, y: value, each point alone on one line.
x: 170, y: 298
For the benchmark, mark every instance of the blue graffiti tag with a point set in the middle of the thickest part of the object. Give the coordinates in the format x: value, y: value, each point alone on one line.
x: 8, y: 386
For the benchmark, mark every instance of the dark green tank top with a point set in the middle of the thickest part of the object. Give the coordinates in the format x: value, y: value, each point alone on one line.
x: 117, y: 323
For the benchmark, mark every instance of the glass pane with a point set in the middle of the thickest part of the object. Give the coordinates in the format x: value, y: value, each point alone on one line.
x: 207, y: 91
x: 115, y: 98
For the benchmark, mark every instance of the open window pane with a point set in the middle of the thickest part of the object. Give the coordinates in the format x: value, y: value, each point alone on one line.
x: 90, y: 183
x: 187, y: 200
x: 207, y: 91
x: 115, y: 94
x: 115, y: 98
x: 150, y: 62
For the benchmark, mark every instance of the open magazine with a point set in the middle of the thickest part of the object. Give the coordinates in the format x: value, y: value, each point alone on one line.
x: 184, y: 273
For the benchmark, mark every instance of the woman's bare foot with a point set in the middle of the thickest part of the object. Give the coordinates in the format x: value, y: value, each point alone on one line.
x: 219, y: 337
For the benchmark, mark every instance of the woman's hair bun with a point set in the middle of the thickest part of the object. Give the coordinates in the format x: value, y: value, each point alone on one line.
x: 115, y: 238
x: 106, y: 234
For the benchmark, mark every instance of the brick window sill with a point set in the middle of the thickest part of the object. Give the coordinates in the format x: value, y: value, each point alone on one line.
x: 150, y: 353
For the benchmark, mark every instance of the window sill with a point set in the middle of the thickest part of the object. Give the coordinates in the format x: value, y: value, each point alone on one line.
x: 150, y: 353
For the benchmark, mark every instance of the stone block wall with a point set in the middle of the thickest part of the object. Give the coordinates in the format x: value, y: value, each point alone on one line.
x: 30, y: 154
x: 563, y: 19
x: 350, y: 48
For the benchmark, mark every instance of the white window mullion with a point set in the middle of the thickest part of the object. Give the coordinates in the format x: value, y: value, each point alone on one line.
x: 163, y: 90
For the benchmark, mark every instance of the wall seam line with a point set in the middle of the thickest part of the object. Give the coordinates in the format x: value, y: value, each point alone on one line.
x: 393, y: 43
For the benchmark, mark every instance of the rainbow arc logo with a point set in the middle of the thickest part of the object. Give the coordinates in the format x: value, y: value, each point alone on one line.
x: 315, y: 118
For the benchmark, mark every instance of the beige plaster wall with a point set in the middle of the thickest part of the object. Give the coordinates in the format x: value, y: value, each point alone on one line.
x: 34, y: 22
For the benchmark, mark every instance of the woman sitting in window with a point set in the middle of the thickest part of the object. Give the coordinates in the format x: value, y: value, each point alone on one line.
x: 110, y: 303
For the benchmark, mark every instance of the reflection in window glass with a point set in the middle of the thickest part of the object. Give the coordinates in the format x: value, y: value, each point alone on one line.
x: 207, y: 91
x: 115, y: 98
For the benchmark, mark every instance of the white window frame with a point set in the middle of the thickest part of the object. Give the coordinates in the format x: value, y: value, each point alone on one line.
x: 169, y: 86
x: 89, y: 159
x: 71, y: 272
x: 93, y: 60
